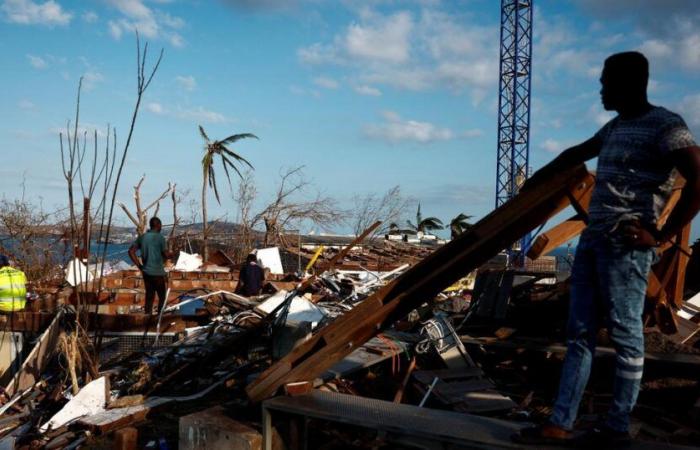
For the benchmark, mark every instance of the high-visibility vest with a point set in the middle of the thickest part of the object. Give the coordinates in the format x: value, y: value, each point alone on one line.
x: 13, y: 290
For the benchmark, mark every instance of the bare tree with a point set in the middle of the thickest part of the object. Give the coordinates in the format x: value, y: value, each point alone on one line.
x: 288, y: 210
x: 389, y: 208
x: 140, y: 217
x: 73, y: 159
x: 244, y: 197
x: 32, y: 237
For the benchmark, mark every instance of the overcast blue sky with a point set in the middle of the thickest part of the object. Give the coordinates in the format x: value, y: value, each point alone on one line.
x: 365, y: 94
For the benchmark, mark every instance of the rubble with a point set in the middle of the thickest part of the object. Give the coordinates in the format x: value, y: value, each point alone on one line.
x: 385, y: 330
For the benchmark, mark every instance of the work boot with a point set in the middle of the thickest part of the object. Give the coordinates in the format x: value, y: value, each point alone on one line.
x: 603, y: 437
x: 547, y: 434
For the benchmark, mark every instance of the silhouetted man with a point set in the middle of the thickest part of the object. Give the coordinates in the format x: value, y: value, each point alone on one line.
x: 637, y: 152
x: 251, y: 277
x: 154, y: 252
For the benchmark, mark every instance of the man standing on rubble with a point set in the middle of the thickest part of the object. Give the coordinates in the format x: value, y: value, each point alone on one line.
x: 639, y: 153
x: 154, y: 252
x: 251, y: 277
x: 13, y: 290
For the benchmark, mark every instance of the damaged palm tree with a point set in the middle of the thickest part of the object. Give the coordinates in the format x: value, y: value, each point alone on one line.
x: 228, y: 156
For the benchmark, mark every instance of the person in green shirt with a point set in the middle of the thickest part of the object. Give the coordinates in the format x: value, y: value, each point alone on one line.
x: 154, y: 252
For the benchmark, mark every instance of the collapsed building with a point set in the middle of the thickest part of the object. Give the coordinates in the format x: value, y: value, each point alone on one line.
x: 376, y: 343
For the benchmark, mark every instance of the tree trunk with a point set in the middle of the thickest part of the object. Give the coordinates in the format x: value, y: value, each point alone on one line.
x: 205, y: 250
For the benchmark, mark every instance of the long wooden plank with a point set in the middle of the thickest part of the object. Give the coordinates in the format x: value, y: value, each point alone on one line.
x: 38, y: 358
x: 344, y: 252
x: 556, y: 236
x: 424, y: 281
x: 569, y: 229
x: 676, y: 286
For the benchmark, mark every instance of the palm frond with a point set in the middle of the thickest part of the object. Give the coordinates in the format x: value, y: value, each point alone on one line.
x: 203, y: 133
x: 228, y: 162
x: 236, y: 156
x: 223, y: 163
x: 212, y: 184
x: 236, y: 137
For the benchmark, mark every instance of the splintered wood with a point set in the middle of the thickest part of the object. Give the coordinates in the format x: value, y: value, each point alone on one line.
x: 425, y: 280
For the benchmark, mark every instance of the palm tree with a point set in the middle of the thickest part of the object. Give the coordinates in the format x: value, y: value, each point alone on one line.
x: 428, y: 224
x: 228, y: 159
x: 459, y: 225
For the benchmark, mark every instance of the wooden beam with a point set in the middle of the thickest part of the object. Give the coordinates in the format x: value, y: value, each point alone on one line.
x: 556, y: 236
x: 344, y: 252
x: 676, y: 286
x: 567, y: 230
x: 424, y: 281
x: 38, y: 358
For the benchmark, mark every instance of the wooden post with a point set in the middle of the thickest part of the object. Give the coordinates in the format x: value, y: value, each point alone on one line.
x: 126, y: 439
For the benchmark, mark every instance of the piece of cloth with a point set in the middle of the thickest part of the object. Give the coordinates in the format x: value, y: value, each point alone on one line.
x: 251, y: 279
x: 608, y: 279
x: 154, y: 284
x: 635, y: 174
x: 152, y: 246
x: 13, y: 289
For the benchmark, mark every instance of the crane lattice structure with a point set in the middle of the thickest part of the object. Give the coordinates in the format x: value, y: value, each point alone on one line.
x: 514, y: 99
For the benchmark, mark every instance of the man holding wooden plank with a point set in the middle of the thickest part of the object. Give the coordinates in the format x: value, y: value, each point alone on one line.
x: 640, y: 152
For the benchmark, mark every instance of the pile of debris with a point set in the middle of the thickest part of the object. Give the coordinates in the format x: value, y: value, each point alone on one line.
x: 444, y: 348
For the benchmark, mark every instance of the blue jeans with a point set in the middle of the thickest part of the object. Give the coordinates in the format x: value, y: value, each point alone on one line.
x: 608, y: 279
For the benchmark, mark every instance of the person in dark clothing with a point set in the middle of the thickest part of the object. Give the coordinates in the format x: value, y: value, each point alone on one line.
x: 251, y: 277
x: 640, y: 153
x: 154, y: 252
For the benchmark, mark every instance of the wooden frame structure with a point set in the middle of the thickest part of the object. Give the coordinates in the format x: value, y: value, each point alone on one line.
x: 667, y: 277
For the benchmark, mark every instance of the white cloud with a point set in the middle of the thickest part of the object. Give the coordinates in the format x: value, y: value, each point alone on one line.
x: 383, y: 39
x: 155, y: 108
x: 26, y: 105
x: 197, y: 114
x: 90, y: 17
x: 188, y: 82
x: 150, y: 23
x: 84, y: 128
x: 598, y: 115
x: 427, y: 50
x: 552, y: 146
x: 394, y: 129
x: 318, y: 54
x: 668, y: 28
x: 114, y: 30
x: 474, y: 132
x: 91, y: 78
x: 326, y: 83
x: 690, y: 109
x: 28, y: 12
x: 368, y: 90
x: 37, y: 62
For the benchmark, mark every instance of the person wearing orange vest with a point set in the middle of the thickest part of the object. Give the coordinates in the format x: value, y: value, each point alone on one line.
x: 13, y: 290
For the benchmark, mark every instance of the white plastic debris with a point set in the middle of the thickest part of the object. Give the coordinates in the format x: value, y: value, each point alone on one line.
x: 300, y: 310
x: 91, y: 399
x: 77, y: 273
x: 270, y: 259
x: 187, y: 262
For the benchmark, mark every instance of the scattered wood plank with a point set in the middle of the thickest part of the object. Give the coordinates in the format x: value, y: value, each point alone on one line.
x: 38, y: 358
